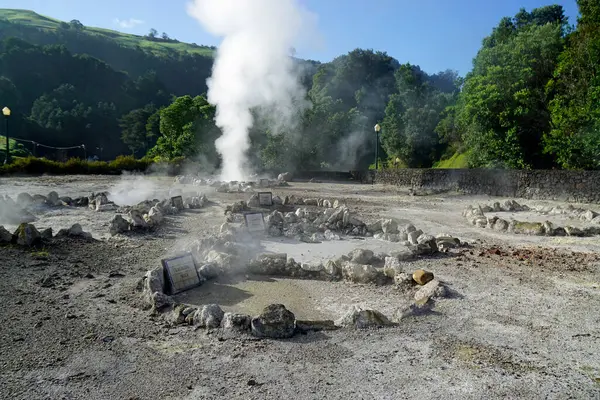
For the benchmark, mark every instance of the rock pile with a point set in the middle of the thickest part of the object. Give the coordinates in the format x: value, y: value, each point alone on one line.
x: 477, y: 217
x: 232, y: 186
x: 276, y: 321
x: 28, y: 235
x: 150, y: 213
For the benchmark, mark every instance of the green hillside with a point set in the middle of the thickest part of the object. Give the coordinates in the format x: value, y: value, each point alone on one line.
x: 158, y: 47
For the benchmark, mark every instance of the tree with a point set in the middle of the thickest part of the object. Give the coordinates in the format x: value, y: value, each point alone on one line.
x: 413, y: 112
x: 75, y: 24
x: 165, y: 36
x: 575, y: 109
x: 187, y: 129
x: 134, y: 131
x: 153, y: 33
x: 504, y: 105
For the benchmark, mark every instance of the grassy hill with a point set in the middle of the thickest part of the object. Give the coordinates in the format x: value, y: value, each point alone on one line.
x: 181, y: 67
x: 158, y: 47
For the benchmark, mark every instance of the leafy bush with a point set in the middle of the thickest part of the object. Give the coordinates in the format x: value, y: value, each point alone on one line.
x: 76, y: 166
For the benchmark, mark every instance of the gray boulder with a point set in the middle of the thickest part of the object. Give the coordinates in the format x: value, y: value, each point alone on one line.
x: 274, y: 322
x: 118, y: 225
x: 360, y: 318
x: 359, y: 273
x: 24, y: 199
x: 389, y: 226
x: 209, y: 271
x: 392, y: 267
x: 285, y: 177
x: 27, y: 235
x: 432, y: 289
x: 210, y: 316
x: 5, y: 236
x: 53, y: 199
x: 268, y: 264
x: 361, y: 256
x: 236, y: 322
x: 137, y: 219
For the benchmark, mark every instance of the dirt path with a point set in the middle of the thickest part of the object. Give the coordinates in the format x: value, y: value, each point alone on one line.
x: 520, y: 323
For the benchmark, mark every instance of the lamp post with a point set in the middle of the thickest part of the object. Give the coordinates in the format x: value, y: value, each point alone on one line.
x: 6, y: 112
x: 84, y: 152
x: 377, y: 130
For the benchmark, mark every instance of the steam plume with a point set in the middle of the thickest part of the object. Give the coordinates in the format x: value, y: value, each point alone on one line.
x: 253, y: 68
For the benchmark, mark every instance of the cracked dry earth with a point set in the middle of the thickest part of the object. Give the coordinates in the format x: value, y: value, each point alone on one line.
x: 523, y: 320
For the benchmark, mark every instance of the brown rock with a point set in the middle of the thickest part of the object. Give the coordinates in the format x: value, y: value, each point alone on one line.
x: 422, y: 277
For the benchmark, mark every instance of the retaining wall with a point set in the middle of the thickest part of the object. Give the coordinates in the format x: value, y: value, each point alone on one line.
x: 574, y: 186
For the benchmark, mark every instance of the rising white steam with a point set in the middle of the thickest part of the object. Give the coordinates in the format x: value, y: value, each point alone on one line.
x: 253, y: 68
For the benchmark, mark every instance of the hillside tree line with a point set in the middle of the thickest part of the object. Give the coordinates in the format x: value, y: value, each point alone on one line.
x: 531, y: 100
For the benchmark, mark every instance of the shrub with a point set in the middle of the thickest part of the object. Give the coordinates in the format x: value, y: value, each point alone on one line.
x: 76, y: 166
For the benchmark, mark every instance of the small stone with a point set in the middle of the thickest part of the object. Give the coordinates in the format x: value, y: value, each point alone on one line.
x: 422, y: 277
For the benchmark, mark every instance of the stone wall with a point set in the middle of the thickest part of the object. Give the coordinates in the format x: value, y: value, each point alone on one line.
x: 574, y: 186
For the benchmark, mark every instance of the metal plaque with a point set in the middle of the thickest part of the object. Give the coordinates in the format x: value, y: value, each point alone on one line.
x: 177, y: 202
x: 181, y: 272
x: 263, y: 183
x: 265, y: 199
x: 255, y: 222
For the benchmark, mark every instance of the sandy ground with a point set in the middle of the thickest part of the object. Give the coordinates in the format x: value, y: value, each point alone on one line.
x: 522, y: 320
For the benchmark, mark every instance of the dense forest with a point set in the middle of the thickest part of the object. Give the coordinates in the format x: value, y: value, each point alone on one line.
x: 532, y: 99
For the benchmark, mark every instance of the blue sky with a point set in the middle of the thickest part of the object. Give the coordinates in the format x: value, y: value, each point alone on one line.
x: 435, y: 34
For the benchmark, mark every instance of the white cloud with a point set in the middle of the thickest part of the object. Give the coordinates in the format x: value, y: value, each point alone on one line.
x: 128, y: 23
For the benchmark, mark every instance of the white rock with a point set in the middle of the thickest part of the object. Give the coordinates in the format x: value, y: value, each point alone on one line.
x: 118, y: 225
x: 361, y: 256
x: 360, y: 273
x: 360, y: 318
x: 389, y: 226
x: 312, y: 267
x: 210, y: 316
x: 413, y: 237
x: 392, y: 267
x: 432, y: 289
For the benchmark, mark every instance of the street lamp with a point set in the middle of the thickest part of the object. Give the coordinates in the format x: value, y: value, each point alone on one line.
x: 6, y: 112
x: 377, y: 130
